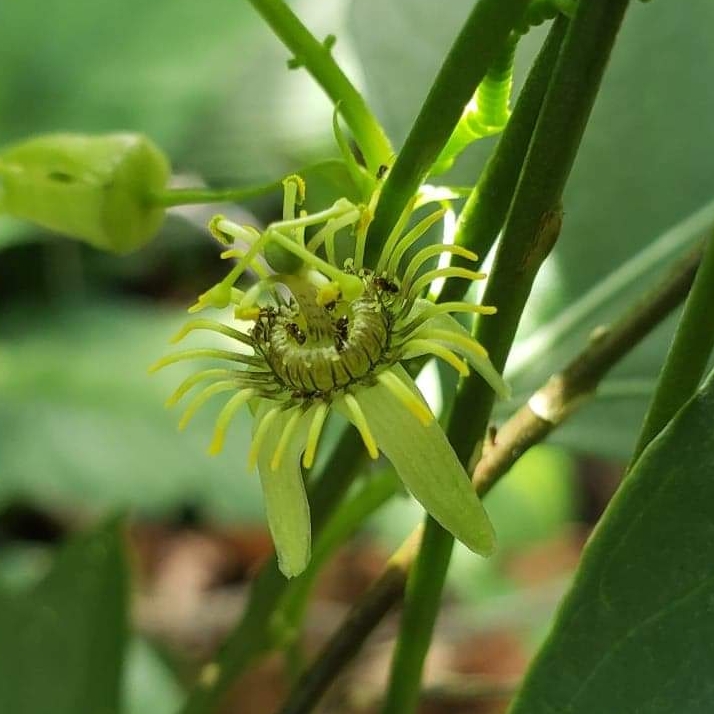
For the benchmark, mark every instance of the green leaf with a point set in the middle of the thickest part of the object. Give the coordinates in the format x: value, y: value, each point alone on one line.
x: 83, y: 424
x: 62, y: 643
x: 149, y: 685
x: 636, y: 632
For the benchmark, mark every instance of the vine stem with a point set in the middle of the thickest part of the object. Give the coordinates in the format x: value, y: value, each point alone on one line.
x: 317, y: 59
x: 687, y: 357
x: 187, y: 196
x: 549, y: 407
x: 481, y: 39
x: 484, y: 212
x: 531, y: 228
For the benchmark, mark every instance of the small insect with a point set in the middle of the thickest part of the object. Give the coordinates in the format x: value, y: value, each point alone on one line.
x: 341, y: 332
x: 386, y: 286
x: 381, y: 171
x: 296, y: 333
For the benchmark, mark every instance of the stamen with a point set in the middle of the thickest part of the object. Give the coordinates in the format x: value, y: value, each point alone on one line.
x: 258, y: 268
x: 421, y: 282
x: 202, y: 397
x: 233, y: 229
x: 293, y: 193
x: 285, y: 439
x: 247, y: 234
x: 395, y: 236
x: 214, y: 326
x: 300, y: 231
x: 259, y: 435
x: 429, y: 252
x: 412, y: 237
x: 405, y: 395
x: 352, y: 287
x: 205, y: 353
x: 194, y: 379
x: 313, y: 434
x: 416, y: 348
x: 326, y: 234
x: 360, y: 421
x: 225, y: 416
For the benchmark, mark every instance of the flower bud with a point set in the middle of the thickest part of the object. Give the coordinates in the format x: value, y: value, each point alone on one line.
x: 99, y: 189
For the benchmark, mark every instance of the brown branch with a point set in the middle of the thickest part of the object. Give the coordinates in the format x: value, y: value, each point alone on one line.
x: 549, y: 407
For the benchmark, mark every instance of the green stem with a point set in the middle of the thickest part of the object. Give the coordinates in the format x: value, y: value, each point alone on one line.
x: 255, y: 634
x: 485, y: 210
x: 481, y: 39
x: 531, y: 229
x: 317, y: 59
x: 688, y: 354
x: 186, y: 196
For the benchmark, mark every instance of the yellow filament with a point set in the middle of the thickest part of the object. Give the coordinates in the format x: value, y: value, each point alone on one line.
x: 455, y: 339
x: 193, y: 380
x: 410, y: 238
x: 395, y: 235
x: 432, y: 275
x: 213, y: 325
x: 259, y: 435
x: 202, y: 397
x: 448, y: 307
x: 423, y: 255
x: 225, y: 416
x: 405, y: 395
x: 313, y: 434
x: 359, y: 420
x: 195, y: 354
x: 285, y: 439
x: 414, y: 348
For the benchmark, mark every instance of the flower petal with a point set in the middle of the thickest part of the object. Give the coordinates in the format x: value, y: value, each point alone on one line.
x: 425, y: 462
x: 286, y: 504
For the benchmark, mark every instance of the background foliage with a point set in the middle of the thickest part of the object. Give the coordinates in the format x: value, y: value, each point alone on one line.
x: 82, y: 426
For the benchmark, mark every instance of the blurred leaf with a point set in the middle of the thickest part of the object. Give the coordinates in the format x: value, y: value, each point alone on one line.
x: 613, y: 207
x: 531, y: 504
x: 608, y: 425
x: 62, y: 643
x: 82, y: 423
x: 636, y: 632
x: 208, y: 82
x: 149, y: 685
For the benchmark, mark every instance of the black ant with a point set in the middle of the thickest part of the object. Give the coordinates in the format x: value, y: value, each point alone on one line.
x: 295, y: 332
x: 341, y: 329
x: 384, y: 285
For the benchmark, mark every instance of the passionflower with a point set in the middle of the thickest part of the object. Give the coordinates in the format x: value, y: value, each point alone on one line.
x: 328, y: 333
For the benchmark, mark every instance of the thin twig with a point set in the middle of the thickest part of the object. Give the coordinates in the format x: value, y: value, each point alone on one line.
x: 549, y: 407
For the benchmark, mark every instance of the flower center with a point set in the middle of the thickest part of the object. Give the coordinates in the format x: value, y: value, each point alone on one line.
x: 314, y: 349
